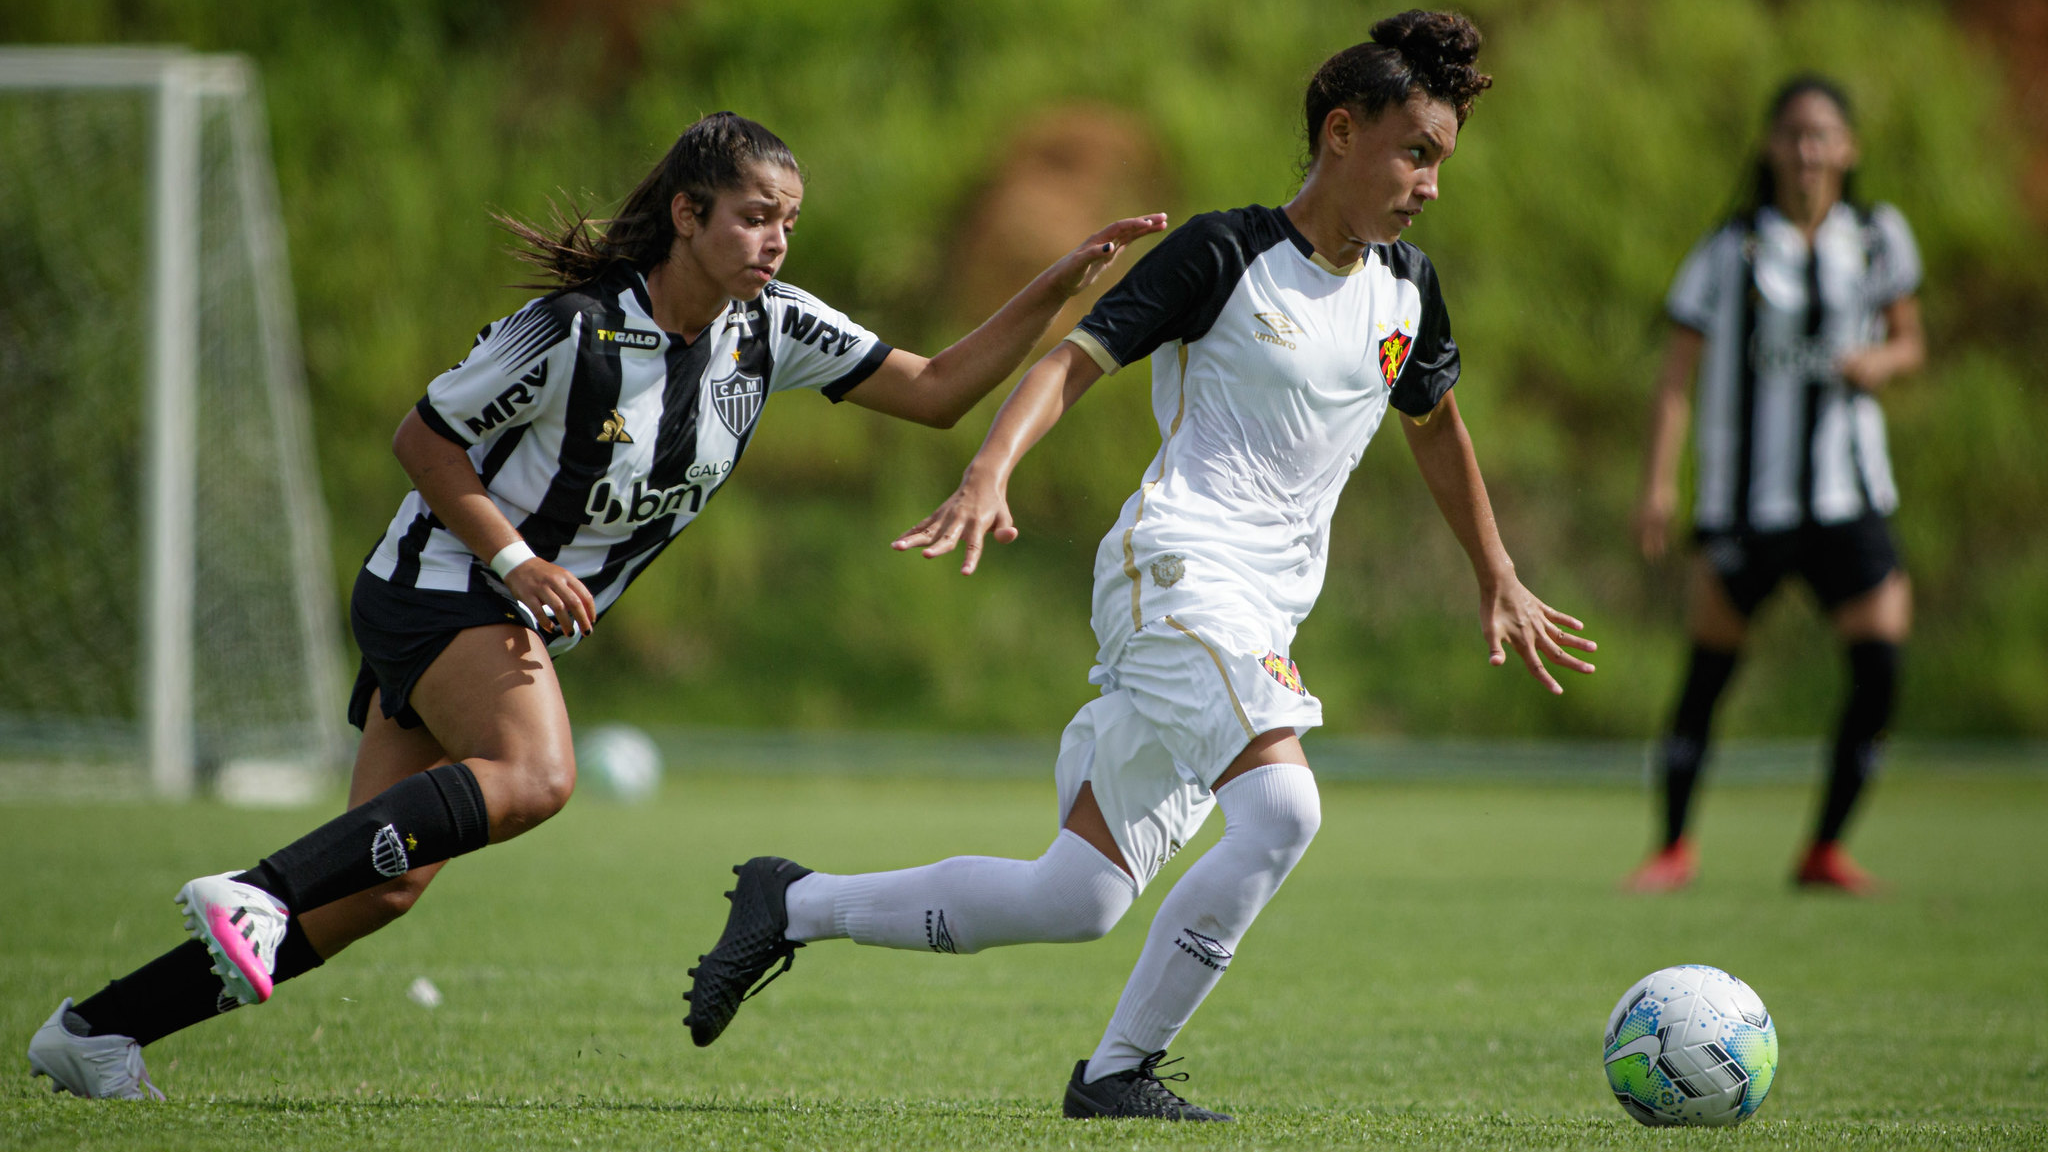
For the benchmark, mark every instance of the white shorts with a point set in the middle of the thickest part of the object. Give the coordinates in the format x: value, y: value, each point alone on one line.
x: 1182, y: 700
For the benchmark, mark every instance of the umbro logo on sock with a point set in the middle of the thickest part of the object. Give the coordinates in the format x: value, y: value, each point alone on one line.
x: 1207, y: 949
x: 936, y: 934
x: 387, y: 853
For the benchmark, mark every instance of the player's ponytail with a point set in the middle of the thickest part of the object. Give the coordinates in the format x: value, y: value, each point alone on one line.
x: 1431, y: 52
x: 710, y: 157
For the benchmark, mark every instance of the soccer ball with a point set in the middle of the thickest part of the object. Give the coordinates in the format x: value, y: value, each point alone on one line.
x: 1691, y: 1045
x: 621, y: 760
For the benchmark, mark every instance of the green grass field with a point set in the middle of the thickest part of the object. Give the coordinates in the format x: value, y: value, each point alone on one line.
x: 1436, y: 974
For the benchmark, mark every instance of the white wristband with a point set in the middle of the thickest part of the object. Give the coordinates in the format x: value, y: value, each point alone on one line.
x: 511, y: 556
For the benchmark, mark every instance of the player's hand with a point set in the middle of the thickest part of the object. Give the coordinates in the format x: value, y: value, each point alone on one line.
x: 976, y: 510
x: 541, y: 585
x: 1512, y: 617
x: 1652, y: 522
x: 1865, y: 369
x: 1079, y: 268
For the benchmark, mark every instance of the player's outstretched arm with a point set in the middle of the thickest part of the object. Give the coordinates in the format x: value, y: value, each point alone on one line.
x: 448, y: 482
x: 981, y: 505
x: 1670, y: 408
x: 944, y: 388
x: 1509, y: 614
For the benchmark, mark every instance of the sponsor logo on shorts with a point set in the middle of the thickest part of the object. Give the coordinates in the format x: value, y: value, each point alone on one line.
x: 1207, y: 949
x: 936, y: 935
x: 387, y: 853
x: 1394, y: 348
x: 1168, y: 569
x: 1282, y: 669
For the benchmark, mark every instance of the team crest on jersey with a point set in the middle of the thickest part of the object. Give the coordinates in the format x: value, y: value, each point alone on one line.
x: 738, y: 398
x: 1282, y: 669
x: 1393, y: 354
x: 1168, y: 569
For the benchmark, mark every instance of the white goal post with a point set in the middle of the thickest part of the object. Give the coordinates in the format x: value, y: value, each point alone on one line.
x: 183, y: 355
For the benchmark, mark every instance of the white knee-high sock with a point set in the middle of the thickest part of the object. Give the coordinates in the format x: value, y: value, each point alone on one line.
x: 1270, y: 814
x: 968, y: 903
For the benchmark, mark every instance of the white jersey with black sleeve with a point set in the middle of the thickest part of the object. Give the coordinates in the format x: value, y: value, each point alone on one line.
x: 1781, y: 439
x: 601, y: 436
x: 1271, y: 370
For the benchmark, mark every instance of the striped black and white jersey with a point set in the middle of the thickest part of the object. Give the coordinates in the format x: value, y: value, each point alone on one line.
x: 1271, y: 370
x: 1781, y: 438
x: 601, y: 436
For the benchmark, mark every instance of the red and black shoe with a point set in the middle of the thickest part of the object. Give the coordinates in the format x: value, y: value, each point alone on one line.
x: 1673, y: 867
x: 1828, y: 868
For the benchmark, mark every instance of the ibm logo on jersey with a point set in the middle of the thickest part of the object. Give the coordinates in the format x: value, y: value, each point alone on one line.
x: 641, y: 503
x: 500, y: 410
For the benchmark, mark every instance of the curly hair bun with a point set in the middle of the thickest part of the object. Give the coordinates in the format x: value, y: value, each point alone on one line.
x: 1432, y: 52
x: 1435, y: 44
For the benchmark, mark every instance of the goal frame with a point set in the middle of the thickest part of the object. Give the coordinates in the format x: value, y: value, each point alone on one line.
x: 178, y: 80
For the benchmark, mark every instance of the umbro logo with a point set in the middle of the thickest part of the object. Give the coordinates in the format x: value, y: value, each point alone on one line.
x: 936, y: 935
x: 614, y: 430
x: 1206, y: 949
x: 1279, y: 329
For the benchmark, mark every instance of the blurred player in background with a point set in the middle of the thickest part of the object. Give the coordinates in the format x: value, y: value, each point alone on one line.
x: 1279, y: 339
x: 577, y: 439
x: 1793, y: 315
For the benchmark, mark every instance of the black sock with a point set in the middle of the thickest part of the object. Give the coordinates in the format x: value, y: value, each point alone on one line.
x: 1873, y: 684
x: 1686, y: 746
x: 179, y: 989
x: 424, y: 819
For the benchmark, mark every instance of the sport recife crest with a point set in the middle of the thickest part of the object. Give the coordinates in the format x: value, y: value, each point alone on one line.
x: 1394, y: 353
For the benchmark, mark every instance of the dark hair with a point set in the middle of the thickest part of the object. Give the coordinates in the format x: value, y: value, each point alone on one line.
x: 1431, y: 51
x: 711, y: 156
x: 1763, y: 181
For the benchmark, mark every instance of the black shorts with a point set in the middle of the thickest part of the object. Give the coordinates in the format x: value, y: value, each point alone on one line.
x: 1838, y: 561
x: 401, y: 630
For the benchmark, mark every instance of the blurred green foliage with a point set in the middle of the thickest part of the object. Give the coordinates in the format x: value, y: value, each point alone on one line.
x: 1615, y: 136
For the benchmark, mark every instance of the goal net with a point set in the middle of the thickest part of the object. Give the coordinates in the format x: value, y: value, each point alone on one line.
x: 171, y: 611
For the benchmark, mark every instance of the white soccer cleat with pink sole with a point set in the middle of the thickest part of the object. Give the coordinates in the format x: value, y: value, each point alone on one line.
x: 241, y: 925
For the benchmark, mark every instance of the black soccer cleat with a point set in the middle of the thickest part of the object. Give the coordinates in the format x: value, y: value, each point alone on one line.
x: 1138, y: 1092
x: 752, y: 943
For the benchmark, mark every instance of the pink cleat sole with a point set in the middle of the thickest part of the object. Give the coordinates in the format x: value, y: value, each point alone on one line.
x: 236, y: 948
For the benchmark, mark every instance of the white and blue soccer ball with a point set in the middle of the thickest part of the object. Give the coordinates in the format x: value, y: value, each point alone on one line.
x: 623, y: 762
x: 1691, y: 1045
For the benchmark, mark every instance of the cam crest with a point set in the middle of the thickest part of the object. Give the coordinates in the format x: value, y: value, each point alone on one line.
x: 1393, y: 354
x: 1282, y: 669
x: 738, y: 399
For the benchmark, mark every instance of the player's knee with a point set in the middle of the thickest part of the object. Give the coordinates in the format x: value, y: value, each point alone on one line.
x: 543, y: 782
x: 1090, y: 917
x: 1285, y: 820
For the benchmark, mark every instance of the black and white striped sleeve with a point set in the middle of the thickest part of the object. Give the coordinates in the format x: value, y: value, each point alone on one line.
x: 814, y: 345
x: 1696, y: 291
x: 1894, y: 257
x: 519, y: 368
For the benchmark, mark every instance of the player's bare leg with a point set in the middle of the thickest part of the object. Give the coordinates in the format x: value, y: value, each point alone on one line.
x: 1872, y: 626
x: 1718, y: 630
